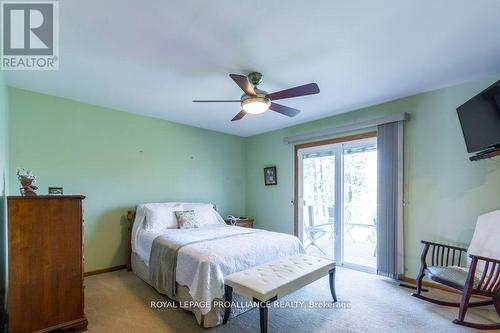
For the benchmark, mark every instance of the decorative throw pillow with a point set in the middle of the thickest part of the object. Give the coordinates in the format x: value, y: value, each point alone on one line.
x: 187, y: 219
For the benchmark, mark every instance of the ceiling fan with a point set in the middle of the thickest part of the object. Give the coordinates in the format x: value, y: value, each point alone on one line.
x: 257, y: 101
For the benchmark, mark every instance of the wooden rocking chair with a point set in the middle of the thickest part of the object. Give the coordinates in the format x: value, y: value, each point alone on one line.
x: 482, y: 278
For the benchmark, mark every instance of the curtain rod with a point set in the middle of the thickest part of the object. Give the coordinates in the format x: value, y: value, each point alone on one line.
x: 346, y: 128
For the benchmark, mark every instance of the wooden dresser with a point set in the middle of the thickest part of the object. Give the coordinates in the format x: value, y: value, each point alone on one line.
x: 45, y: 236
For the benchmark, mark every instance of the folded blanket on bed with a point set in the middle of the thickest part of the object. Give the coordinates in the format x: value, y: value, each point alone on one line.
x: 165, y: 248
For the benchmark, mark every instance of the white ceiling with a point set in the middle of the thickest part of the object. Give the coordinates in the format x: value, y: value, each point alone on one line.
x: 153, y: 57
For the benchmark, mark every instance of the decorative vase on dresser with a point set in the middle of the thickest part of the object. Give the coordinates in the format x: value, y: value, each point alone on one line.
x: 45, y: 246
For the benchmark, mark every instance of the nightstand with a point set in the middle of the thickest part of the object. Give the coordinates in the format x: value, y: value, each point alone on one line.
x: 248, y: 223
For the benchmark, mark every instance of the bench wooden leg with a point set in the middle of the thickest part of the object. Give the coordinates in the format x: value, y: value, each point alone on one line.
x: 228, y: 295
x: 331, y: 274
x: 263, y: 317
x: 263, y: 308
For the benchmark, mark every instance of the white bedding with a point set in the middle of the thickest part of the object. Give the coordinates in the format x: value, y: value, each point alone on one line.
x: 139, y: 226
x: 202, y: 266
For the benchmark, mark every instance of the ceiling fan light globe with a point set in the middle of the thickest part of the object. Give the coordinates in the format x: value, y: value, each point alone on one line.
x: 255, y: 105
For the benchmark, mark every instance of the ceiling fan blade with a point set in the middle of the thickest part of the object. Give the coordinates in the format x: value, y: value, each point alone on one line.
x: 285, y: 110
x: 242, y: 81
x: 306, y: 89
x: 240, y: 115
x: 215, y: 100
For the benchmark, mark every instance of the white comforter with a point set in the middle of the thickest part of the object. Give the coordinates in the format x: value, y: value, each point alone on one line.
x: 202, y: 266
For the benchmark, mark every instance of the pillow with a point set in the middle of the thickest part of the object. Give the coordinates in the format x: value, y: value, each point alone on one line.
x: 204, y: 206
x: 160, y: 217
x: 187, y: 219
x: 206, y: 214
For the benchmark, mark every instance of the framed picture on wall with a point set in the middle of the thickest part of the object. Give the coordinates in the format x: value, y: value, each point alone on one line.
x: 270, y: 176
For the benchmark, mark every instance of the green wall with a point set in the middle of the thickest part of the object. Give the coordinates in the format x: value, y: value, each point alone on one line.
x: 118, y: 160
x: 444, y: 192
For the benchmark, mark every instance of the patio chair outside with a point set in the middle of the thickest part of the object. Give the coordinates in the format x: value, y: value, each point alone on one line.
x: 315, y: 231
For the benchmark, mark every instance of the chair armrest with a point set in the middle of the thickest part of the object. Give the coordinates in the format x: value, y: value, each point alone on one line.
x: 324, y: 224
x: 445, y: 245
x: 490, y: 260
x: 489, y: 277
x: 442, y: 254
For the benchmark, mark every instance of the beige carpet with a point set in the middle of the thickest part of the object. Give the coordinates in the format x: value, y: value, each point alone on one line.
x: 119, y: 302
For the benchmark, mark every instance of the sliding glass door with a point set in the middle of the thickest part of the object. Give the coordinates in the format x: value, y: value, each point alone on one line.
x: 360, y: 204
x: 337, y: 202
x: 319, y: 200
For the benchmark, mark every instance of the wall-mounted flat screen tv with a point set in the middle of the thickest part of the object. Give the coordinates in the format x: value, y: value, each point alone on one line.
x: 480, y: 119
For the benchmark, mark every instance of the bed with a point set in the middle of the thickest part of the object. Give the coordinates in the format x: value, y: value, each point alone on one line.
x: 189, y: 265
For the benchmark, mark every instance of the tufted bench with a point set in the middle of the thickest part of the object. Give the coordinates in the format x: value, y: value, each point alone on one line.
x: 268, y: 282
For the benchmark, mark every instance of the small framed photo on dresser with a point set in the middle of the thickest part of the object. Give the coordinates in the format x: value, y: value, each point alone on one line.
x: 56, y: 191
x: 270, y: 176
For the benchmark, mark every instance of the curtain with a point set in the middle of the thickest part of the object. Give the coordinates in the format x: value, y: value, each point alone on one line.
x: 390, y: 200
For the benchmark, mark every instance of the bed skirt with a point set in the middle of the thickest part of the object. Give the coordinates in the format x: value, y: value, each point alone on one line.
x: 211, y: 319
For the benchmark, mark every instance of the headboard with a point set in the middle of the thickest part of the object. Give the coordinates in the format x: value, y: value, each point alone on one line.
x: 128, y: 247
